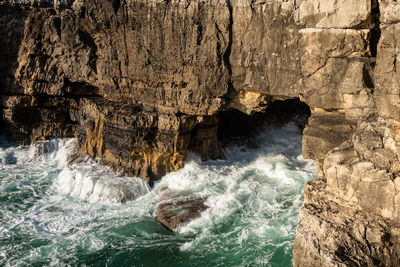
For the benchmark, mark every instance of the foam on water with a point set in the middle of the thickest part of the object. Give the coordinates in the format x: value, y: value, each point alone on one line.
x: 97, y: 184
x: 54, y: 213
x: 254, y: 197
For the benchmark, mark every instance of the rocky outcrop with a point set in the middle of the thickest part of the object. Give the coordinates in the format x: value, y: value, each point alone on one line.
x: 142, y: 82
x: 141, y: 100
x: 179, y: 210
x: 350, y: 213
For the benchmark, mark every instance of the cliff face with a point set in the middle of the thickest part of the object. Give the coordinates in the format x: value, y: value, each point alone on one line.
x: 142, y: 82
x: 351, y: 212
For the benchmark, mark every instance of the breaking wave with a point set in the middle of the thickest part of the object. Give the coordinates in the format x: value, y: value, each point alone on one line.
x: 56, y: 213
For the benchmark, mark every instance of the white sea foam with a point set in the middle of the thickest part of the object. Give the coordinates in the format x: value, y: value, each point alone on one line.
x: 43, y: 152
x: 87, y: 180
x: 53, y: 207
x: 263, y: 185
x: 94, y: 183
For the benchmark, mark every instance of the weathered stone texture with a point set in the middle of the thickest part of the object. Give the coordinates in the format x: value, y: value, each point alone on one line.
x: 350, y: 213
x: 389, y: 11
x: 335, y: 14
x: 180, y: 210
x: 265, y: 55
x: 337, y: 70
x: 11, y: 31
x: 109, y: 49
x: 387, y: 74
x: 324, y: 132
x: 144, y: 81
x: 338, y: 235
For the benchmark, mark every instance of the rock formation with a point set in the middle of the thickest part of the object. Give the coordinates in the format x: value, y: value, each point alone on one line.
x: 140, y: 100
x: 142, y: 82
x: 178, y: 208
x: 350, y: 213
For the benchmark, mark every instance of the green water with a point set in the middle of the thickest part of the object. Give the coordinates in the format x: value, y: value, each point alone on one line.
x: 254, y: 198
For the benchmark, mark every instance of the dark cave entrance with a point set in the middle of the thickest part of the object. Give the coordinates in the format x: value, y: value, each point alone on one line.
x: 233, y: 127
x: 237, y: 127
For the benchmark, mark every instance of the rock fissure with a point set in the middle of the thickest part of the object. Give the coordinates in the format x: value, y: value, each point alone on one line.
x: 228, y: 50
x: 375, y: 31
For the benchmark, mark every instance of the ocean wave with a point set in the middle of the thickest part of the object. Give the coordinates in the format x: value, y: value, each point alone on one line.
x: 55, y: 212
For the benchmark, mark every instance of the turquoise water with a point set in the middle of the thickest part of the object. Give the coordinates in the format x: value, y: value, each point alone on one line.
x: 57, y: 214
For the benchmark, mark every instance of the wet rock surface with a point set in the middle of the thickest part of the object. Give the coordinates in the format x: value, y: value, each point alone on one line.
x: 180, y: 210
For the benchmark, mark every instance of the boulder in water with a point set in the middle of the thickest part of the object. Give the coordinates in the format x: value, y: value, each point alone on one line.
x: 177, y: 211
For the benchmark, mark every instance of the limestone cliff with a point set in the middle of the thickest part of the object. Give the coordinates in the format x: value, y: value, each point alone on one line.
x: 350, y: 214
x: 140, y: 83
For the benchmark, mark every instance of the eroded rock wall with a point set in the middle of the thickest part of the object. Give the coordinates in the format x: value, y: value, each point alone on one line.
x: 141, y: 82
x: 351, y: 211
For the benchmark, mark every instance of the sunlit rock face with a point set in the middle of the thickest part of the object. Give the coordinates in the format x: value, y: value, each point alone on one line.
x: 140, y: 83
x: 350, y: 212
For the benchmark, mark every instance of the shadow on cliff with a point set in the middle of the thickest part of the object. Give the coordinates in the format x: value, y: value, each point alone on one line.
x: 12, y: 21
x: 237, y: 128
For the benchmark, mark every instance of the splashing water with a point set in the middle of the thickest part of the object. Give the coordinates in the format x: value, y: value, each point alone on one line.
x: 53, y: 213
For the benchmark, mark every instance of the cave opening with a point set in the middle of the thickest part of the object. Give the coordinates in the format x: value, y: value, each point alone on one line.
x: 236, y: 127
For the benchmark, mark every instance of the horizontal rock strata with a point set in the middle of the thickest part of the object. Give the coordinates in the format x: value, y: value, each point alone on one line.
x: 350, y: 214
x: 142, y: 82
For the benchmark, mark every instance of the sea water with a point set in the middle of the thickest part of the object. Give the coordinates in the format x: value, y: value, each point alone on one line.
x: 55, y: 213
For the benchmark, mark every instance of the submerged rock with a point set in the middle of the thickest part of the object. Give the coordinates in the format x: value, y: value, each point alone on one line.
x: 177, y: 211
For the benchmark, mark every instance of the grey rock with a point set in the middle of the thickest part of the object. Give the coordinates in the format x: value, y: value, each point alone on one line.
x: 180, y: 210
